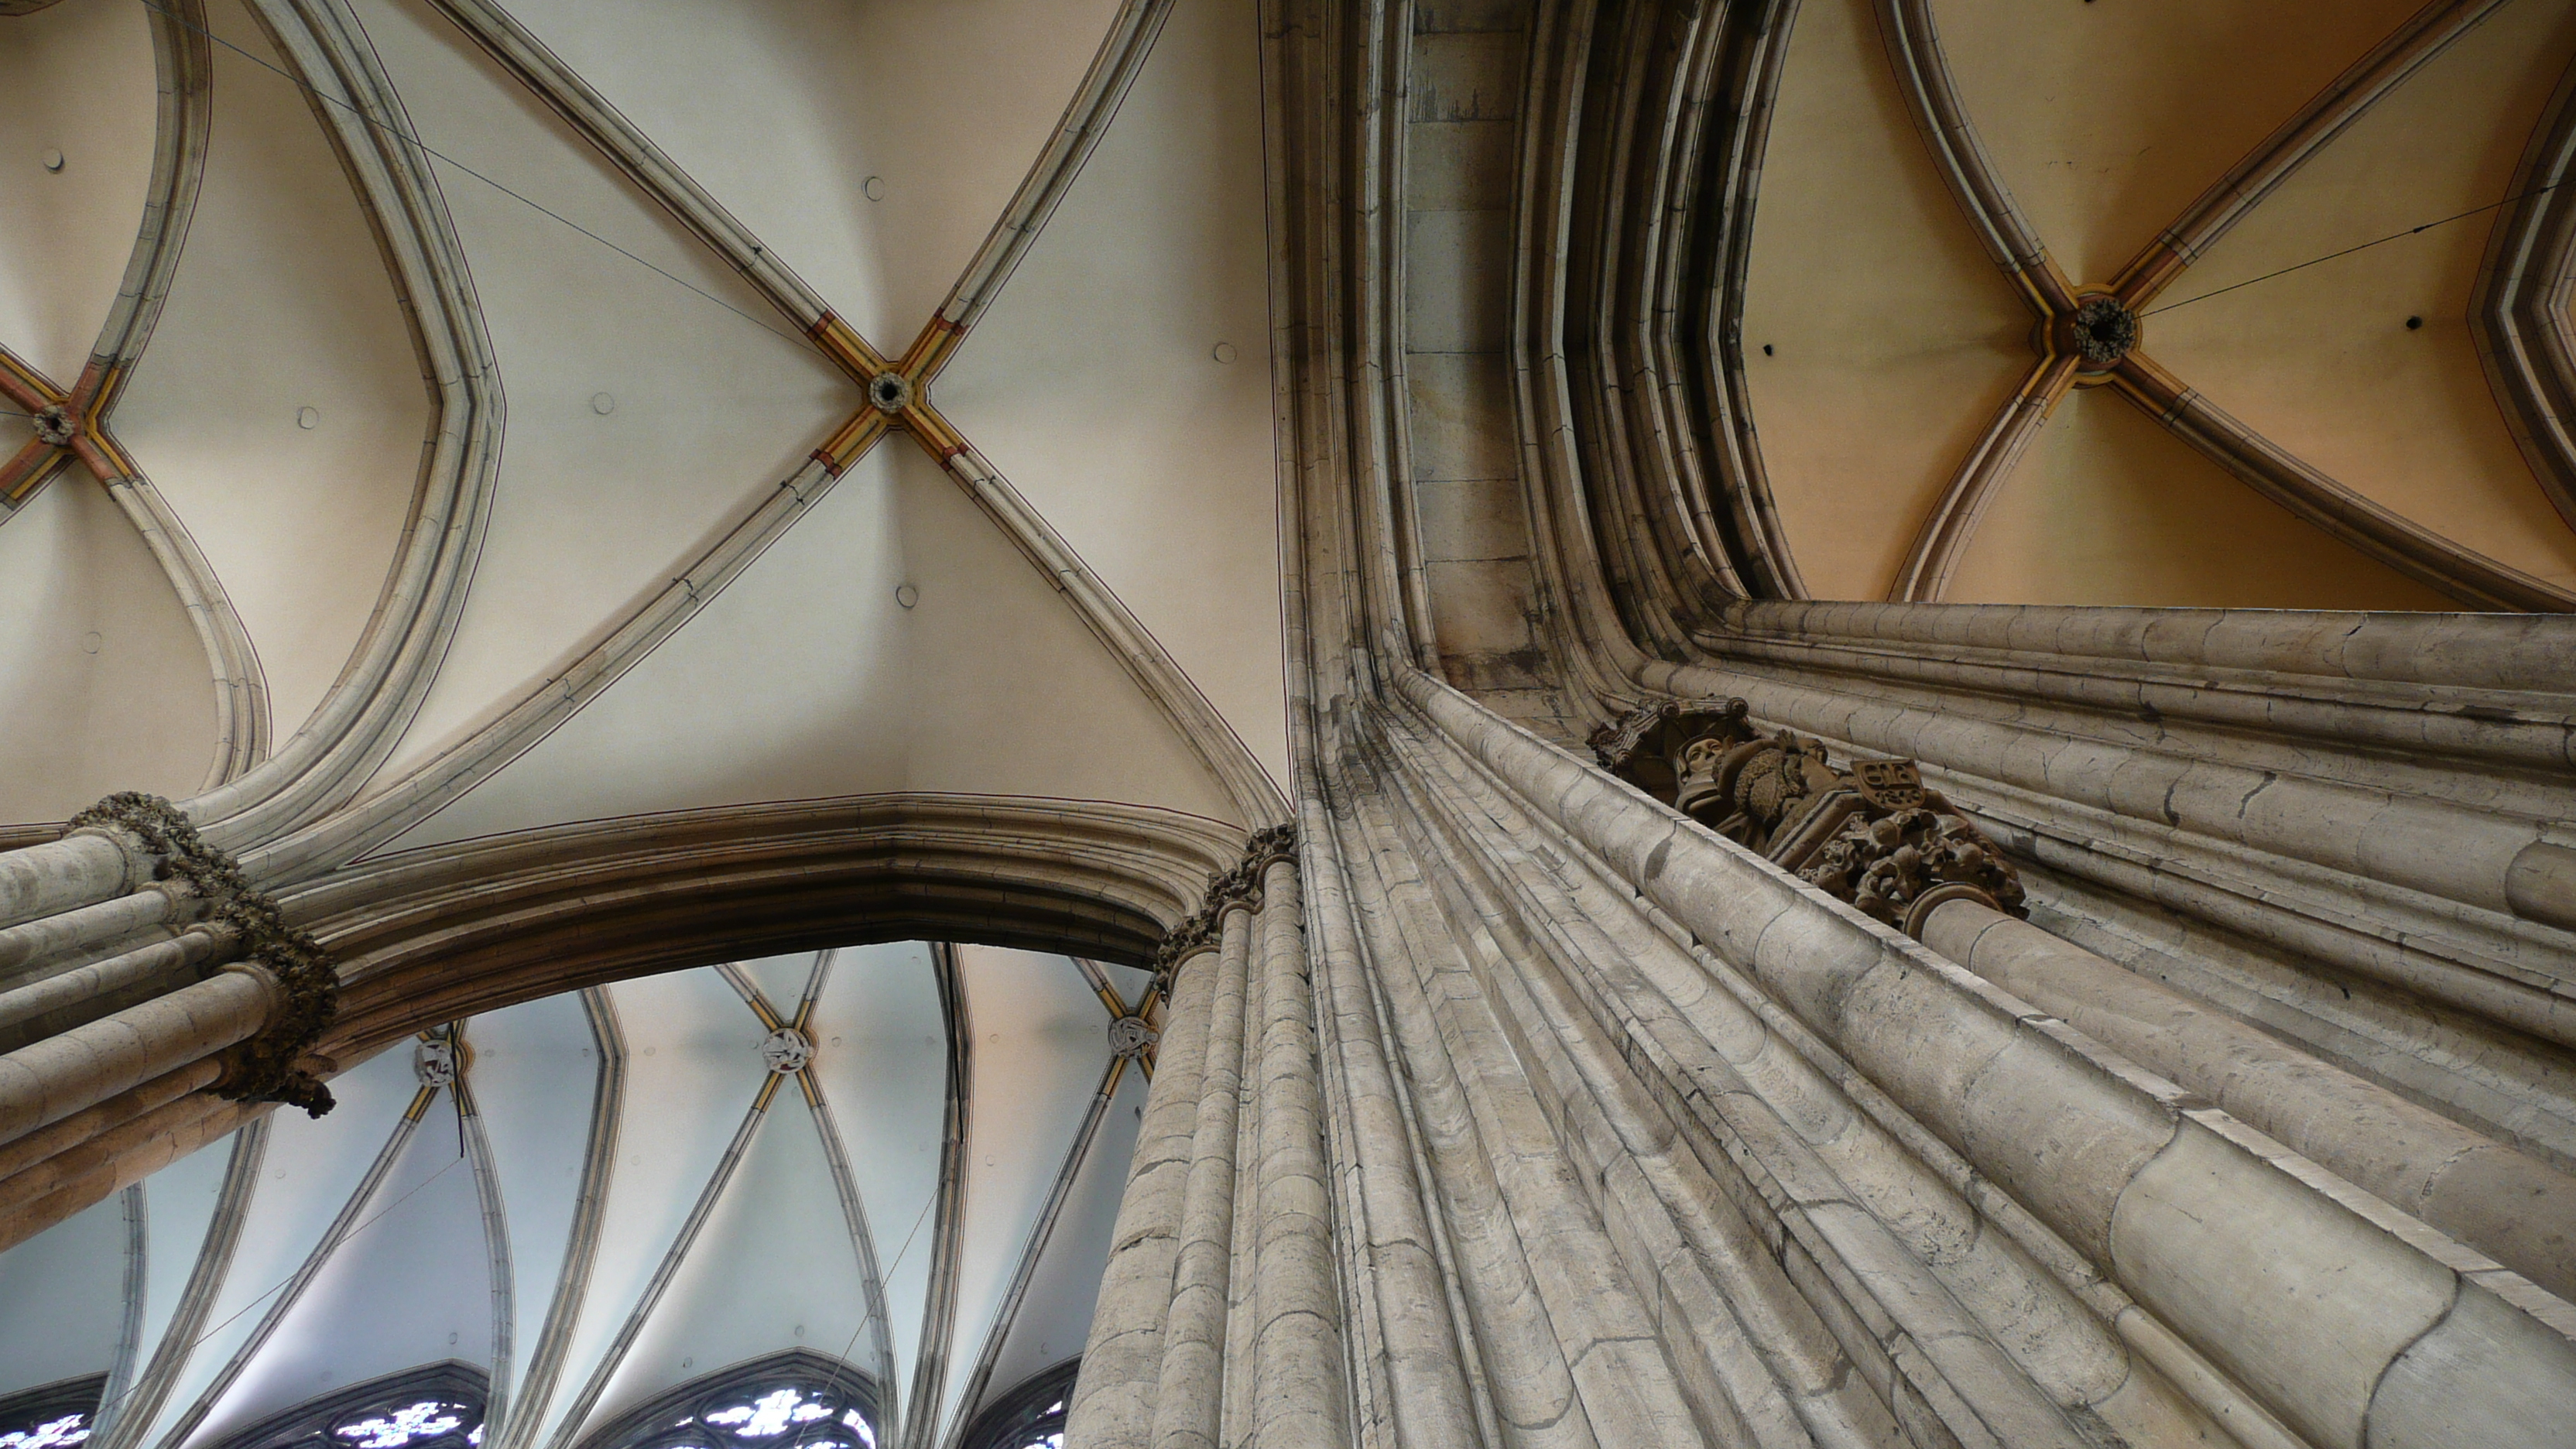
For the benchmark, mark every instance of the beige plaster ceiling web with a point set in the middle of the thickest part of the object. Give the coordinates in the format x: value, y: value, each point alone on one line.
x: 906, y: 619
x: 645, y: 428
x: 2062, y: 142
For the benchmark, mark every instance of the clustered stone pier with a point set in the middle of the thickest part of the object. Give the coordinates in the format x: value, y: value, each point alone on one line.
x: 151, y: 1001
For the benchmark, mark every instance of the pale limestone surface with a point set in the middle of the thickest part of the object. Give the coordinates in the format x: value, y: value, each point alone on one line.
x: 1517, y: 1109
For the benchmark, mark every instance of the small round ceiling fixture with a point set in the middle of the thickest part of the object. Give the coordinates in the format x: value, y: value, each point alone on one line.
x: 308, y: 418
x: 53, y: 160
x: 906, y: 595
x: 873, y: 188
x: 1224, y: 352
x: 602, y: 404
x: 889, y: 392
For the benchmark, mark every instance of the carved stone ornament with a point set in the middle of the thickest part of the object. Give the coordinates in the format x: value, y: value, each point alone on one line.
x: 1129, y: 1036
x: 1238, y: 887
x: 433, y: 1061
x: 55, y: 426
x: 272, y: 1066
x: 2105, y: 330
x: 786, y: 1050
x: 1872, y: 835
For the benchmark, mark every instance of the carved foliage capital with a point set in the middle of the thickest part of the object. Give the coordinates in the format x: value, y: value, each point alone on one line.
x: 271, y: 1066
x: 1239, y: 888
x: 1870, y: 834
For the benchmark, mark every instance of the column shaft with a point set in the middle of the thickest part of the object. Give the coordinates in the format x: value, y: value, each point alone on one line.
x: 149, y: 1157
x: 1298, y: 1397
x: 1187, y: 1403
x: 51, y: 1079
x: 1113, y: 1401
x: 1390, y: 1222
x: 95, y: 925
x: 86, y: 983
x: 64, y: 1168
x: 2497, y: 1200
x: 60, y: 875
x: 122, y: 1108
x: 2197, y: 1216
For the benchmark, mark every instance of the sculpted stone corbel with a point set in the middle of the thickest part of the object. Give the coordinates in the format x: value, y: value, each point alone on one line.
x: 1237, y: 888
x: 1872, y: 834
x: 277, y: 1064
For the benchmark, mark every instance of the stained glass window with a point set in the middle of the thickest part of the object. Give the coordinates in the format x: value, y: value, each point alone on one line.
x: 51, y: 1416
x: 797, y: 1400
x: 438, y: 1407
x: 1028, y: 1417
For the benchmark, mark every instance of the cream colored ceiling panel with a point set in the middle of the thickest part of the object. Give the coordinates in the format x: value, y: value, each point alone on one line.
x: 1041, y: 1044
x: 693, y: 1071
x: 61, y: 1296
x: 294, y: 476
x: 2322, y: 361
x: 1122, y: 381
x: 2107, y: 120
x: 103, y: 684
x: 2109, y: 508
x: 643, y: 418
x: 870, y: 145
x: 808, y: 678
x: 412, y: 1289
x: 535, y: 1073
x: 77, y: 107
x: 1891, y: 338
x: 880, y: 1055
x: 773, y: 1270
x: 1056, y: 1316
x: 306, y: 1176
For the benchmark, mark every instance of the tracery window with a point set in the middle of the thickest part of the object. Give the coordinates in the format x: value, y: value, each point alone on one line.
x: 438, y: 1407
x: 796, y: 1400
x: 51, y: 1416
x: 1028, y: 1417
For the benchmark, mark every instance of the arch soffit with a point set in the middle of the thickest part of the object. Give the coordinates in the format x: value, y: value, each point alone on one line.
x: 449, y: 931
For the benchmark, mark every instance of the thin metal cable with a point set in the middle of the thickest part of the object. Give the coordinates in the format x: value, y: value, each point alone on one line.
x: 2348, y: 251
x: 428, y: 150
x: 265, y: 1293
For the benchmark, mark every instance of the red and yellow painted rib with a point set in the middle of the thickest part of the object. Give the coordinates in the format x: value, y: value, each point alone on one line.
x: 917, y: 367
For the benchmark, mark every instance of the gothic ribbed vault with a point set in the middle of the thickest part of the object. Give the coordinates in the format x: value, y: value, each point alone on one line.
x: 1449, y: 722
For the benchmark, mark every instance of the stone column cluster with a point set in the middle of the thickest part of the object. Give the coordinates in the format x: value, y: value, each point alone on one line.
x: 1854, y: 834
x: 2018, y: 1218
x: 1220, y: 1318
x: 149, y: 1000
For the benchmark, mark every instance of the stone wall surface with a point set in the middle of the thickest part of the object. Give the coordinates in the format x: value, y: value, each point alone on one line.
x: 2222, y: 1093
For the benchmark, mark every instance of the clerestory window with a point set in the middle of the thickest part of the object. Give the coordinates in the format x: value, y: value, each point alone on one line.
x: 437, y: 1407
x: 51, y: 1416
x: 1030, y: 1416
x: 797, y: 1400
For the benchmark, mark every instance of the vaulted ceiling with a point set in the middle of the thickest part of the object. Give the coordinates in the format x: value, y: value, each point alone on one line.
x: 1880, y: 340
x: 1051, y: 572
x: 687, y: 241
x: 1109, y: 378
x: 629, y: 1198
